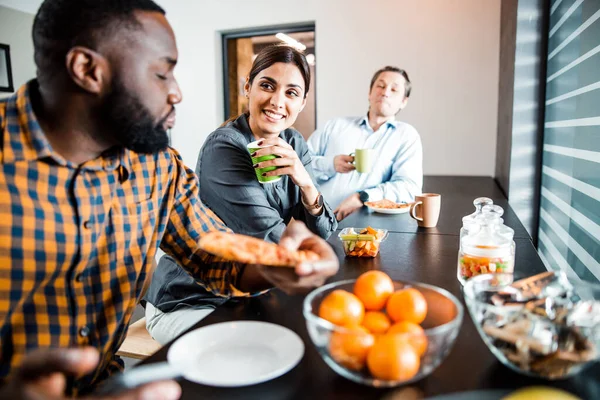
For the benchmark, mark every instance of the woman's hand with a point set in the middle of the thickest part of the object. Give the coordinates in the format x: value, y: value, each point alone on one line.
x: 287, y: 162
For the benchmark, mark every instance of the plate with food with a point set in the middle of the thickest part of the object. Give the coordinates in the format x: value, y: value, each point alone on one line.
x: 250, y: 250
x: 386, y: 206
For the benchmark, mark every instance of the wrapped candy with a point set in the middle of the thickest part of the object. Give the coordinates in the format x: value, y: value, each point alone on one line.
x: 542, y: 325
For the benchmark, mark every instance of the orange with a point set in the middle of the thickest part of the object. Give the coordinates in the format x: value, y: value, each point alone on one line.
x: 342, y: 308
x: 376, y: 322
x: 407, y: 305
x: 350, y: 349
x: 373, y: 288
x: 393, y: 358
x: 413, y: 333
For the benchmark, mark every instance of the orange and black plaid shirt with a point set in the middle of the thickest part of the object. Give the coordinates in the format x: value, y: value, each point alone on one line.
x: 76, y: 240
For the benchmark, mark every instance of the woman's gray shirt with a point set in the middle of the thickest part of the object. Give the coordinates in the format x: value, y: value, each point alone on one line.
x: 228, y: 186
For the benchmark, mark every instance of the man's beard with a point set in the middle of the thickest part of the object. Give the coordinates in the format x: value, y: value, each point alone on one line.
x: 128, y: 122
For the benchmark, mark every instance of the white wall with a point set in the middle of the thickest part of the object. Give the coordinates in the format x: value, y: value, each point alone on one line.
x: 28, y: 6
x: 15, y: 30
x: 449, y: 47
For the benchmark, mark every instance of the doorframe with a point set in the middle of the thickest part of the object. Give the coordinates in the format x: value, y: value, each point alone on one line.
x: 260, y: 31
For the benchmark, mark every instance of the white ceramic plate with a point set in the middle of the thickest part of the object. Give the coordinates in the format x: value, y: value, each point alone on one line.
x: 390, y: 210
x: 237, y: 353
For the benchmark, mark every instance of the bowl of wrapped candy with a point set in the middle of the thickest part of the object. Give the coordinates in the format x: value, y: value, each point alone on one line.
x: 546, y: 325
x: 362, y: 242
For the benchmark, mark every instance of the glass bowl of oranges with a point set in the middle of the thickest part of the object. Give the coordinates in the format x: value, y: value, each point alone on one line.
x: 379, y: 332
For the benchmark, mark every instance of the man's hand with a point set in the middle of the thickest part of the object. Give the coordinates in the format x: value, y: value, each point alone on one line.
x: 44, y: 371
x: 343, y: 163
x: 307, y: 275
x: 350, y: 204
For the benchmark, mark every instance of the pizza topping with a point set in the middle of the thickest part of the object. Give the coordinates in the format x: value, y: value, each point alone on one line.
x: 250, y: 250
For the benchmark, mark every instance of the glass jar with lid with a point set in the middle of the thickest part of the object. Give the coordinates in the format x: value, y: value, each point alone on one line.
x: 484, y: 249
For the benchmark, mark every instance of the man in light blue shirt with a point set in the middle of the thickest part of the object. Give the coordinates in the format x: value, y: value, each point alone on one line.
x: 397, y: 172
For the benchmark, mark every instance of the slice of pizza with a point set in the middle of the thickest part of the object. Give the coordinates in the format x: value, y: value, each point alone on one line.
x: 250, y: 250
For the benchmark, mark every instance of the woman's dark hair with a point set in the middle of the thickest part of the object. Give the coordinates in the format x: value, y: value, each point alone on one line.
x: 284, y: 54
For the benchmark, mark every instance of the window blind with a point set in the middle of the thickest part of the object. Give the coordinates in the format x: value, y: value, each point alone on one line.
x: 569, y: 229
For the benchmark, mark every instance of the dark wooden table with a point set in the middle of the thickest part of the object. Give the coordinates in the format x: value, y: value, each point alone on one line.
x: 457, y: 193
x: 429, y: 258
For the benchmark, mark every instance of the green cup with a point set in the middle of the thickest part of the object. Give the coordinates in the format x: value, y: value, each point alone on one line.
x: 363, y: 160
x: 252, y: 147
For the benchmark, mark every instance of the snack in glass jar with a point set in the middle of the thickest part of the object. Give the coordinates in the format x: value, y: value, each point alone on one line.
x: 470, y: 266
x: 485, y: 249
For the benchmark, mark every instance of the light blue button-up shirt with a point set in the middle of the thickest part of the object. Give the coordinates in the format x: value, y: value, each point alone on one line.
x: 397, y: 172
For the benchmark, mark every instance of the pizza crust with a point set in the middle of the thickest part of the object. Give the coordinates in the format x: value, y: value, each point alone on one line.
x: 250, y: 250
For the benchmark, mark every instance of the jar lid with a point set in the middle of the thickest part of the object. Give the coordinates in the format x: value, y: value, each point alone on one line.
x: 479, y: 203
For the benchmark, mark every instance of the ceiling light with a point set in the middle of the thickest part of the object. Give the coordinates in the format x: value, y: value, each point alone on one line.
x: 291, y: 41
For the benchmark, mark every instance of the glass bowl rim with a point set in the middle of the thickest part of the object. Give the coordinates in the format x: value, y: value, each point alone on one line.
x: 470, y: 295
x: 436, y: 330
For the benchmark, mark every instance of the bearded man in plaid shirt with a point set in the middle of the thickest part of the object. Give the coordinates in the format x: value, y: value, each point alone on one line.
x: 89, y: 190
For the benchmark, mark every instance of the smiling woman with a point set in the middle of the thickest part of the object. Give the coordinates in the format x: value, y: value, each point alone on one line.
x: 239, y: 51
x: 232, y: 185
x: 277, y: 93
